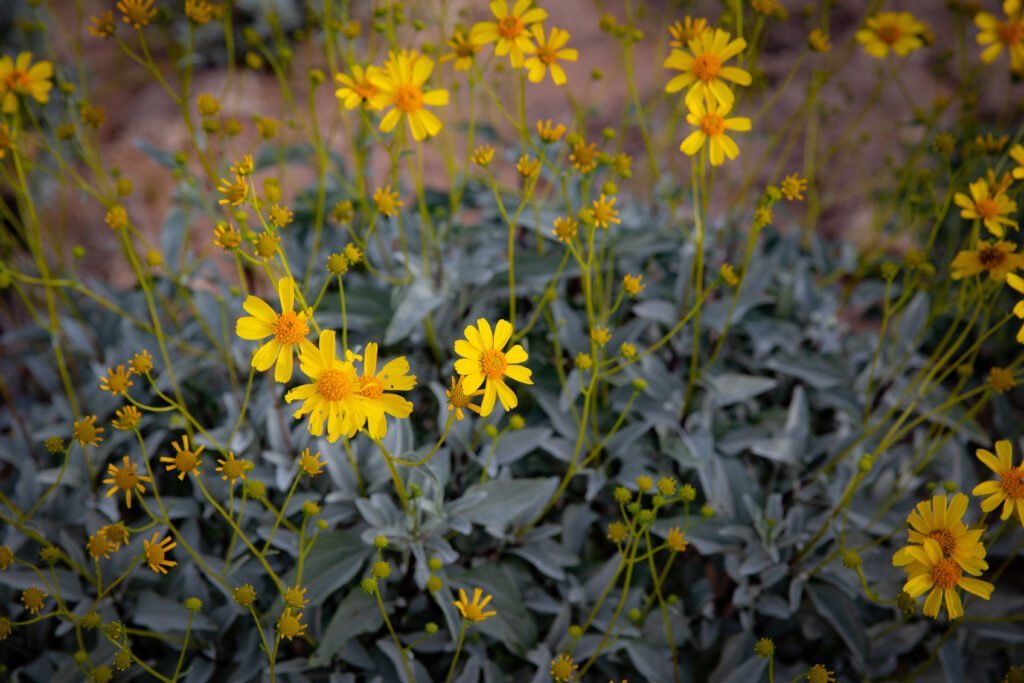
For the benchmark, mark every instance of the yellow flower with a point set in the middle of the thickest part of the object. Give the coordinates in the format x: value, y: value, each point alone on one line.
x: 995, y: 258
x: 1017, y: 154
x: 156, y: 551
x: 709, y: 119
x: 528, y: 167
x: 728, y: 274
x: 1017, y: 282
x: 295, y: 597
x: 1001, y: 380
x: 463, y: 50
x: 617, y: 532
x: 137, y: 13
x: 401, y: 82
x: 20, y: 78
x: 86, y: 432
x: 820, y: 674
x: 565, y: 228
x: 386, y: 200
x: 141, y: 363
x: 117, y: 534
x: 896, y: 31
x: 583, y: 156
x: 333, y: 397
x: 358, y: 89
x: 33, y: 598
x: 7, y: 139
x: 989, y: 204
x: 102, y: 24
x: 600, y: 335
x: 677, y: 540
x: 704, y: 70
x: 185, y: 459
x: 116, y: 218
x: 484, y: 363
x: 126, y: 418
x: 226, y: 236
x: 473, y: 611
x: 818, y: 41
x: 288, y: 329
x: 549, y: 132
x: 231, y: 467
x: 374, y: 386
x: 549, y: 53
x: 458, y: 398
x: 563, y: 668
x: 940, y: 520
x: 290, y: 625
x: 199, y: 11
x: 117, y: 381
x: 126, y: 479
x: 234, y: 192
x: 483, y: 155
x: 684, y: 31
x: 99, y: 546
x: 1008, y: 491
x: 931, y: 570
x: 310, y: 463
x: 510, y: 32
x: 633, y: 284
x: 997, y: 35
x: 281, y: 216
x: 793, y: 187
x: 604, y: 212
x: 627, y: 350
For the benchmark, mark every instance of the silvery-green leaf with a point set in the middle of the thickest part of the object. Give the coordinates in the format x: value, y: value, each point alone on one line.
x: 731, y: 387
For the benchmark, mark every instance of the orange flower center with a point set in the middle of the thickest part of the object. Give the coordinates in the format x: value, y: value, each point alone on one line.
x: 365, y: 90
x: 18, y: 80
x: 1012, y: 481
x: 185, y: 460
x: 547, y: 55
x: 370, y: 387
x: 706, y: 67
x: 946, y: 573
x: 125, y: 478
x: 289, y: 328
x: 889, y: 33
x: 986, y: 208
x: 409, y: 98
x: 155, y: 554
x: 991, y: 257
x: 945, y: 539
x: 457, y: 397
x: 712, y: 124
x: 1010, y: 33
x: 334, y: 385
x: 493, y: 363
x: 510, y: 27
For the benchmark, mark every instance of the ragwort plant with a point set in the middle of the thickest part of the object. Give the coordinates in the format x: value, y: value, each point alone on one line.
x: 410, y: 385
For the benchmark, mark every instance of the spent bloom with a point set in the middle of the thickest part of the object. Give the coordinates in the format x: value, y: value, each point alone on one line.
x: 231, y: 467
x: 563, y: 668
x: 510, y: 32
x: 287, y: 329
x: 483, y: 362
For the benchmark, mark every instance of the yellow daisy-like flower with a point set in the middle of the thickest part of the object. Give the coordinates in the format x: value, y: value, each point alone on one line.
x: 931, y: 570
x: 288, y: 330
x: 99, y: 546
x: 565, y: 228
x: 127, y: 479
x: 86, y: 432
x: 708, y: 117
x: 310, y: 463
x: 141, y: 362
x: 21, y: 78
x: 563, y: 668
x: 999, y: 35
x: 117, y: 381
x: 117, y: 534
x: 473, y: 610
x: 231, y: 467
x: 896, y: 31
x: 102, y: 24
x: 704, y: 70
x: 484, y: 363
x: 126, y: 418
x: 633, y: 284
x: 483, y: 155
x: 989, y: 204
x: 793, y: 187
x: 185, y: 459
x: 386, y: 200
x: 358, y: 89
x: 137, y: 13
x: 583, y: 156
x: 156, y: 551
x: 676, y: 540
x: 401, y: 84
x: 941, y: 520
x: 234, y: 191
x: 458, y: 398
x: 684, y: 31
x: 549, y: 132
x: 995, y: 258
x: 394, y: 376
x: 510, y: 32
x: 33, y: 598
x: 333, y: 397
x: 463, y: 50
x: 549, y: 53
x: 604, y: 212
x: 1008, y: 491
x: 290, y: 625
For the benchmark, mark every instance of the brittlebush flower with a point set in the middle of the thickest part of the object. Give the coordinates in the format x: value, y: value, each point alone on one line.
x: 185, y: 458
x: 604, y: 213
x: 156, y: 551
x: 563, y: 668
x: 86, y: 432
x: 550, y: 132
x: 1008, y: 491
x: 117, y: 381
x: 896, y: 31
x: 820, y: 674
x: 99, y: 546
x: 332, y: 398
x: 483, y: 156
x: 358, y: 89
x: 21, y: 78
x: 401, y: 82
x: 377, y: 386
x: 288, y: 330
x: 231, y: 468
x: 510, y: 32
x: 793, y: 187
x: 463, y: 50
x: 1017, y: 282
x: 708, y: 117
x: 386, y: 200
x: 703, y: 67
x: 684, y: 31
x: 583, y: 156
x: 473, y: 610
x: 1017, y: 154
x: 549, y: 53
x: 33, y: 598
x: 989, y: 204
x: 137, y: 13
x: 102, y: 24
x: 125, y: 478
x: 941, y: 520
x: 931, y: 570
x: 459, y: 398
x: 1001, y: 380
x: 565, y: 228
x: 290, y: 625
x: 633, y: 284
x: 1008, y: 34
x: 126, y: 418
x: 483, y: 362
x: 995, y: 258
